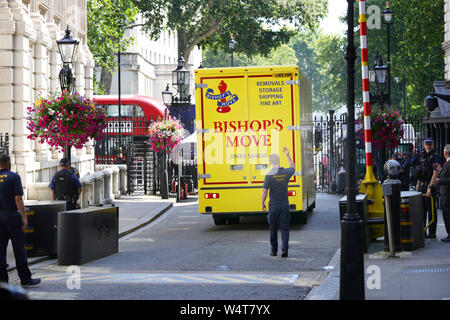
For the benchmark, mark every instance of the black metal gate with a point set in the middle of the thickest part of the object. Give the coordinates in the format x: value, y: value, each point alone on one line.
x: 330, y: 156
x: 141, y: 168
x: 329, y: 136
x: 130, y: 146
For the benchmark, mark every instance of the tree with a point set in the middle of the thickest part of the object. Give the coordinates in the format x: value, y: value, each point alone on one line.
x: 416, y: 49
x: 284, y: 55
x: 209, y: 23
x: 107, y: 20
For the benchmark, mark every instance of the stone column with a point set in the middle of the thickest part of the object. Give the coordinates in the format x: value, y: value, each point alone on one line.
x: 107, y: 186
x: 122, y: 179
x: 98, y: 188
x: 115, y: 181
x: 7, y: 29
x: 87, y: 194
x: 24, y: 37
x: 43, y: 42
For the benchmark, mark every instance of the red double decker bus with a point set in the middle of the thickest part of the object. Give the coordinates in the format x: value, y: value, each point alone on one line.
x: 136, y: 114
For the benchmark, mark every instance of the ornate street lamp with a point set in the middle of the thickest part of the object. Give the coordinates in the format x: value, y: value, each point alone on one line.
x: 388, y: 16
x: 181, y: 80
x: 167, y: 96
x: 380, y: 70
x: 231, y: 45
x: 68, y: 48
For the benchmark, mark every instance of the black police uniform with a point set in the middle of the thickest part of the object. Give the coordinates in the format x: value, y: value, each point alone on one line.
x: 65, y: 184
x: 424, y: 171
x: 11, y: 226
x: 279, y: 216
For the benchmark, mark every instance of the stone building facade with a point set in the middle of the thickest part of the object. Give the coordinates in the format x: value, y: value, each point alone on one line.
x: 29, y: 68
x: 146, y: 67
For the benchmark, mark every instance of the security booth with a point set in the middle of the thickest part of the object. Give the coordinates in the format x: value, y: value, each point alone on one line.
x: 41, y: 234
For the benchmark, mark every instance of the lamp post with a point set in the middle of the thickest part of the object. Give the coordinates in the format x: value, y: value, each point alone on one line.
x: 388, y: 16
x: 377, y: 75
x: 119, y: 88
x: 231, y: 45
x: 167, y: 97
x: 181, y: 81
x: 68, y: 48
x: 352, y: 256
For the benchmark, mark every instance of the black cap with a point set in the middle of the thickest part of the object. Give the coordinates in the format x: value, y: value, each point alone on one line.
x: 64, y: 162
x: 429, y: 140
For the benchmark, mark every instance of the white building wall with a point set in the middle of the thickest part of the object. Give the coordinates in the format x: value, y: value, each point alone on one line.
x: 147, y: 65
x: 29, y: 67
x: 446, y: 44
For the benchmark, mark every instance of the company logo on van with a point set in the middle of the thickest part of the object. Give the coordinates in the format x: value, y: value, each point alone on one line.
x: 226, y: 98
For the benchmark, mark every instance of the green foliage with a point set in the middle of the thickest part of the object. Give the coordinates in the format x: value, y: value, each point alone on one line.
x: 209, y: 23
x: 417, y: 34
x: 284, y: 55
x: 106, y: 32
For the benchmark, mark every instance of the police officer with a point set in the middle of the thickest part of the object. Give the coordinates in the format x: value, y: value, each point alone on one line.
x: 13, y: 223
x: 276, y: 182
x: 65, y: 185
x: 426, y: 173
x: 405, y: 163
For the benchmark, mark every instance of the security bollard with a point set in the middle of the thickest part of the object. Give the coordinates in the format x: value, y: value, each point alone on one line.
x: 391, y: 191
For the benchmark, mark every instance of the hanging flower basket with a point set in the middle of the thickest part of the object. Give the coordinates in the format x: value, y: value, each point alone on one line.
x: 65, y: 120
x: 164, y: 135
x: 387, y: 128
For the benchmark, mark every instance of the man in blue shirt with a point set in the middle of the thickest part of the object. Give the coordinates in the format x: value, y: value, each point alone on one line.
x: 276, y: 184
x: 13, y: 224
x: 65, y: 185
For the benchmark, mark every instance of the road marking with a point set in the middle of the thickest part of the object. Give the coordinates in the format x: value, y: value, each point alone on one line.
x: 214, y: 278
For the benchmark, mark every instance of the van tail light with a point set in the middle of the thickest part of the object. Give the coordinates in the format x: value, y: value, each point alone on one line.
x: 211, y: 196
x: 292, y: 193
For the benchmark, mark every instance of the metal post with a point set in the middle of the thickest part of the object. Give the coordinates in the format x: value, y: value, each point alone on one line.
x: 332, y: 168
x: 404, y: 96
x: 232, y: 60
x: 352, y: 258
x: 389, y: 63
x: 164, y: 186
x: 119, y: 102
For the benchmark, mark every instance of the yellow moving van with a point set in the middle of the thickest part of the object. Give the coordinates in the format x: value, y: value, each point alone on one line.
x: 243, y: 115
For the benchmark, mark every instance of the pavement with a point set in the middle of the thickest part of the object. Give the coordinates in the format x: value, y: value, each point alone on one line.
x: 135, y: 212
x: 421, y: 274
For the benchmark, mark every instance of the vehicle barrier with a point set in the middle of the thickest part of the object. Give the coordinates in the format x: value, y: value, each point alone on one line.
x: 87, y: 234
x: 41, y: 234
x: 411, y: 220
x: 362, y: 210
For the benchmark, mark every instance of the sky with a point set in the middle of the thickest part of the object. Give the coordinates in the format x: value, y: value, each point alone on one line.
x: 331, y: 23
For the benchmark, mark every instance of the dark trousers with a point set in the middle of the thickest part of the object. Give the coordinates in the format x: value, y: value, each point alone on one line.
x: 10, y: 229
x: 279, y: 218
x: 428, y: 210
x: 445, y: 203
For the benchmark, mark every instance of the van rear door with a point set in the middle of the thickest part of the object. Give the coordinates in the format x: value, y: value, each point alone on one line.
x: 272, y: 111
x: 224, y: 116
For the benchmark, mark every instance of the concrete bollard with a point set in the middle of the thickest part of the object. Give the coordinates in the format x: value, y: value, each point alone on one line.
x: 98, y: 188
x: 107, y: 186
x: 87, y: 193
x: 115, y: 182
x: 122, y: 178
